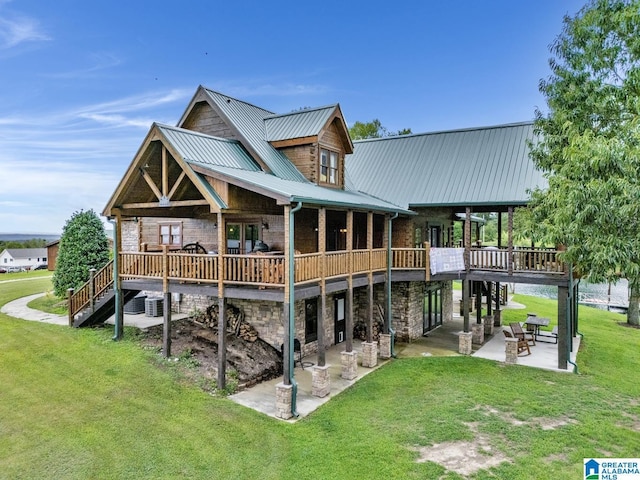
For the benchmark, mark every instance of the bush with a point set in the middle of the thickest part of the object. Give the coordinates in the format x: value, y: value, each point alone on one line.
x: 83, y: 246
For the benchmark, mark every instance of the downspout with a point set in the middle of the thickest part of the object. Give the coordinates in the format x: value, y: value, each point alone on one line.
x: 292, y: 380
x: 389, y: 260
x: 117, y: 335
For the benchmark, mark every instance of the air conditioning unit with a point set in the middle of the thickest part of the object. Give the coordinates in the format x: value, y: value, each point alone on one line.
x: 153, y: 307
x: 135, y: 305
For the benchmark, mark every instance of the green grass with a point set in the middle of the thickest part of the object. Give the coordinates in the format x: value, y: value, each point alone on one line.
x: 50, y: 303
x: 74, y: 404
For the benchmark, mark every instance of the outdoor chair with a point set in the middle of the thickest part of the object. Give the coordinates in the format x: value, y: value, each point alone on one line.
x: 523, y: 345
x: 520, y: 334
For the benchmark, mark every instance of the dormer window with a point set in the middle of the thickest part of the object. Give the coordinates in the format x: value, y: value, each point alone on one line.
x: 328, y: 166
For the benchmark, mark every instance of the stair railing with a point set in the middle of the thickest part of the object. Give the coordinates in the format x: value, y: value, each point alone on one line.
x: 99, y: 283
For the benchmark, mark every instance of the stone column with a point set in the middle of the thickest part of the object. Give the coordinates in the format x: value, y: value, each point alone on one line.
x: 320, y: 381
x: 477, y: 331
x: 488, y: 325
x: 284, y: 396
x: 385, y: 345
x: 464, y: 343
x: 369, y: 354
x: 349, y: 361
x: 511, y: 350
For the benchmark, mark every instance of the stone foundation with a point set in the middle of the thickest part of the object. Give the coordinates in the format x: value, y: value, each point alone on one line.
x: 477, y: 331
x: 284, y: 398
x: 464, y: 343
x: 385, y: 345
x: 369, y: 354
x: 349, y: 361
x: 320, y: 381
x: 511, y: 350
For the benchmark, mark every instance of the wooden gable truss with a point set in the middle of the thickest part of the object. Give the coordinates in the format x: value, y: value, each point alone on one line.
x: 159, y: 182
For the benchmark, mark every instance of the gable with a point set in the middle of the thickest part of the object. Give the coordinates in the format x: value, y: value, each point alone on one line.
x: 160, y: 181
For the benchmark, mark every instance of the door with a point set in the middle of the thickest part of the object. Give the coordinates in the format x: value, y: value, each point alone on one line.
x: 340, y: 319
x: 241, y: 237
x: 310, y: 320
x: 435, y: 236
x: 432, y: 312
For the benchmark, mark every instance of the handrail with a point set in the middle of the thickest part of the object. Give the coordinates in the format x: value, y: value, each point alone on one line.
x: 99, y: 283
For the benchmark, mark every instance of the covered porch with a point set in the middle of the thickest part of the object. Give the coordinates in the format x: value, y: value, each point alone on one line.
x: 441, y: 342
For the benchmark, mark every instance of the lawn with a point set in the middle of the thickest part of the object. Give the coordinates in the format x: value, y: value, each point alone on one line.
x: 75, y: 404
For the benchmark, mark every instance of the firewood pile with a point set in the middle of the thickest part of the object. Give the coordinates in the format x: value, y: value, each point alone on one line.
x: 360, y: 330
x: 235, y: 322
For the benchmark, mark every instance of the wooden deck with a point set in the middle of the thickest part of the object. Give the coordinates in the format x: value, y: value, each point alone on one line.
x: 267, y: 271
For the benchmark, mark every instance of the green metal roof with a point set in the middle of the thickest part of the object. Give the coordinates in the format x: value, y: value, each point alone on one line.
x: 300, y: 124
x: 307, y: 192
x: 205, y: 149
x: 249, y: 122
x: 471, y: 167
x: 229, y: 159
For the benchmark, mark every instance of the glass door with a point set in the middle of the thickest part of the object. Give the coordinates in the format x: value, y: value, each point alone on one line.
x: 432, y: 311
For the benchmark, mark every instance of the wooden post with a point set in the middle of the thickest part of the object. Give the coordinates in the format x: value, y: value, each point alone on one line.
x: 349, y: 299
x: 222, y: 314
x: 510, y: 241
x: 427, y: 261
x: 478, y: 302
x: 166, y: 325
x: 467, y: 239
x: 69, y: 295
x: 166, y: 307
x: 286, y: 354
x: 466, y: 288
x: 92, y: 289
x: 370, y: 278
x: 322, y: 248
x: 564, y: 338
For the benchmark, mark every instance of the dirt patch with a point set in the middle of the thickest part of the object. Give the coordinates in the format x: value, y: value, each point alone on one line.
x: 248, y: 362
x: 464, y: 458
x: 468, y: 457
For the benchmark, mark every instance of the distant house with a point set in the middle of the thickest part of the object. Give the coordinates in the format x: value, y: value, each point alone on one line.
x: 23, y: 258
x: 52, y: 254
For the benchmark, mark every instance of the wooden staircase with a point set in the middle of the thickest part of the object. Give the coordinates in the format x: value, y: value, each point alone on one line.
x: 94, y: 302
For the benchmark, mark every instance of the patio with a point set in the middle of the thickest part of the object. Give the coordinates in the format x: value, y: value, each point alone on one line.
x: 443, y: 341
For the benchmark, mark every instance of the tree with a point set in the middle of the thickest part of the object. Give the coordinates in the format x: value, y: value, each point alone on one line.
x: 589, y: 145
x: 83, y: 246
x: 373, y: 129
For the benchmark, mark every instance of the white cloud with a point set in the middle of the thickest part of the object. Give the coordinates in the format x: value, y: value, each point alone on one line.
x: 18, y: 30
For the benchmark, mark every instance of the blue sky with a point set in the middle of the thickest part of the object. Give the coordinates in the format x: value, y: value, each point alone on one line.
x: 82, y: 81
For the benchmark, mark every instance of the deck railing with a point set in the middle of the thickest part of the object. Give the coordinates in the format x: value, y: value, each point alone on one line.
x: 268, y: 270
x: 540, y: 260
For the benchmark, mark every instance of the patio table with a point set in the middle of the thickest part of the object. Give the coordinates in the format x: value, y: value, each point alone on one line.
x: 536, y: 323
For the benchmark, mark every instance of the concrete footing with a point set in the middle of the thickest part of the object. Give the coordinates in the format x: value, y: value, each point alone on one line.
x: 320, y: 381
x: 464, y: 343
x: 511, y: 350
x: 385, y: 345
x: 284, y: 398
x: 349, y: 361
x: 477, y: 331
x: 369, y: 354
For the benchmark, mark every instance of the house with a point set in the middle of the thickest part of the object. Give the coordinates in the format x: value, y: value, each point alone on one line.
x: 23, y: 258
x: 310, y: 233
x: 52, y: 254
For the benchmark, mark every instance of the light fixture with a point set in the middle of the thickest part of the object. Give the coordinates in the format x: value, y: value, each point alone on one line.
x: 265, y: 226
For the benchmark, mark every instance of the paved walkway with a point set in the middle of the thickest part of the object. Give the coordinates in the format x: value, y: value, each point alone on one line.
x: 19, y: 309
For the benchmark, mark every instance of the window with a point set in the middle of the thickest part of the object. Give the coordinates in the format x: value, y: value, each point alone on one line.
x: 170, y: 234
x: 328, y: 166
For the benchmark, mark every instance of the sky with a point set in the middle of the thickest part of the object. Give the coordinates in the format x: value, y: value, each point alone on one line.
x: 82, y: 81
